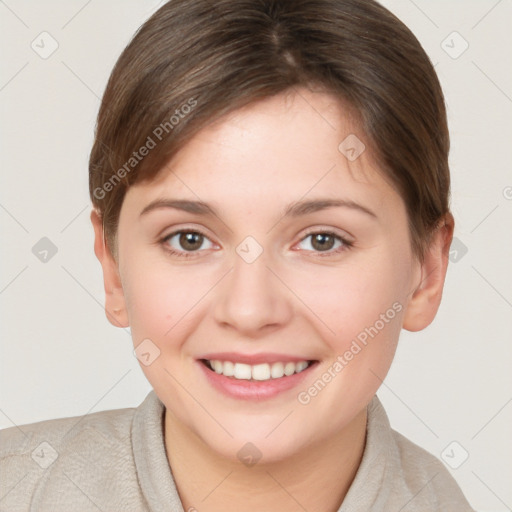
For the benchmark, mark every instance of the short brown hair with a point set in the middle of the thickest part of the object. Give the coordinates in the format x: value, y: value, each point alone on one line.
x: 195, y: 60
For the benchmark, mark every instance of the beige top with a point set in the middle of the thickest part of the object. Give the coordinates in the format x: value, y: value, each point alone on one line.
x: 116, y: 461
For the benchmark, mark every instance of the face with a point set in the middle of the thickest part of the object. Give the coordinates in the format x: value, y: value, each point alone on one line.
x: 267, y: 246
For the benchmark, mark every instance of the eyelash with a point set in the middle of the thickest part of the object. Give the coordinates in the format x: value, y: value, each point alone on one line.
x: 347, y: 244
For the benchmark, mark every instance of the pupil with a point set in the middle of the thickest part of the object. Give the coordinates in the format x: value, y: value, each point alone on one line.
x: 191, y: 241
x: 321, y: 239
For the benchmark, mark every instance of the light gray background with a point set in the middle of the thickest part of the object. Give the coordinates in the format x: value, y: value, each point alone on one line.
x: 60, y: 356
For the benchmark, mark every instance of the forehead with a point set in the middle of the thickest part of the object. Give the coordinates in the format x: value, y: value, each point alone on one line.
x: 274, y: 151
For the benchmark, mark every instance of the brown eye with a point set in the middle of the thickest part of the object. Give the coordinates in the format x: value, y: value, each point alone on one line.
x: 190, y: 241
x: 186, y: 241
x: 322, y: 241
x: 325, y: 242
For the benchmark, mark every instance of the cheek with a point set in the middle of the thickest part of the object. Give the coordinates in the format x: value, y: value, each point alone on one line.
x: 150, y: 304
x: 163, y: 305
x: 344, y: 301
x: 361, y: 308
x: 161, y: 299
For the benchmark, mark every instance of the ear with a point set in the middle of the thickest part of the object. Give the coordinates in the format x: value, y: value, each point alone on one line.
x: 427, y: 294
x: 115, y: 306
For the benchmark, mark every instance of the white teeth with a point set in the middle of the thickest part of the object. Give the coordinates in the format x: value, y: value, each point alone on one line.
x: 277, y: 370
x: 301, y: 365
x: 217, y: 366
x: 242, y: 371
x: 263, y: 371
x: 289, y: 369
x: 228, y: 369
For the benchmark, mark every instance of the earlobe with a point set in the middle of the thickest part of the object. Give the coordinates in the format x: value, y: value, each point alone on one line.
x: 115, y: 306
x: 427, y: 293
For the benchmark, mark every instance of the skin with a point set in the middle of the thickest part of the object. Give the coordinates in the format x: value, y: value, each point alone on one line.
x: 292, y: 299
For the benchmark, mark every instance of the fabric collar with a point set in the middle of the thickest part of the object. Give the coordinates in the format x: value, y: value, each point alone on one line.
x: 376, y: 471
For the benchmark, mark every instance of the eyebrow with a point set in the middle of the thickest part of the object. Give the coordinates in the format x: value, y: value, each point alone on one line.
x: 294, y: 209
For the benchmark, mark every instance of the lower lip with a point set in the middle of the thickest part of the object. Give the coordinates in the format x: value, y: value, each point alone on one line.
x: 253, y: 389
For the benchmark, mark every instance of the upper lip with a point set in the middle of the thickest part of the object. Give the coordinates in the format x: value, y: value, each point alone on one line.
x: 252, y: 359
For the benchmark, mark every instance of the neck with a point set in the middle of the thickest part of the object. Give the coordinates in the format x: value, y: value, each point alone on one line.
x: 315, y: 479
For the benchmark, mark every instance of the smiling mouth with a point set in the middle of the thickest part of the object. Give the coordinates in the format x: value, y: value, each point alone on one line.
x: 256, y: 372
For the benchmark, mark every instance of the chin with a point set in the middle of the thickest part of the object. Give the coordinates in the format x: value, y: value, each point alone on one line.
x: 255, y: 445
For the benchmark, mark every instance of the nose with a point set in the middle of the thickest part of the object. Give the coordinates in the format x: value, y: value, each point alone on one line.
x: 252, y: 300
